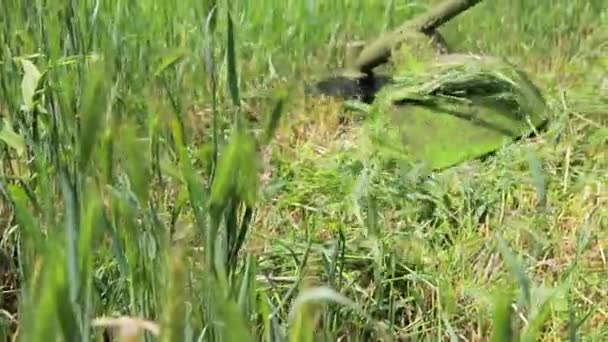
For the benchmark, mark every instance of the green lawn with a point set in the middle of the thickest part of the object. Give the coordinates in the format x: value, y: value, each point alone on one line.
x: 163, y: 166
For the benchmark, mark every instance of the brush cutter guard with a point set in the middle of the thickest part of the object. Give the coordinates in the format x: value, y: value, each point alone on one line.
x: 459, y: 107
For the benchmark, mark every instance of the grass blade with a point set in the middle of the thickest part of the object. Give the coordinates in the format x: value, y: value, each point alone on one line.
x: 72, y: 231
x: 93, y: 110
x: 174, y: 324
x: 233, y: 85
x: 273, y: 120
x: 516, y: 269
x: 170, y: 59
x: 502, y: 330
x: 11, y: 138
x: 539, y: 179
x: 31, y: 83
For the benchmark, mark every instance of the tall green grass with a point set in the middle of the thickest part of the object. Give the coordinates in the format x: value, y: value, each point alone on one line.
x: 130, y: 181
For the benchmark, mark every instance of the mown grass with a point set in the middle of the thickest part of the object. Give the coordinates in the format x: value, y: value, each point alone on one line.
x: 162, y: 164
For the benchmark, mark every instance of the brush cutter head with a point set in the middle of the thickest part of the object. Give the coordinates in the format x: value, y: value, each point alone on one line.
x: 454, y: 109
x: 435, y: 108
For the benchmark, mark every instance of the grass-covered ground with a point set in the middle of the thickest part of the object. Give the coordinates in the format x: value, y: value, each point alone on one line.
x: 142, y: 176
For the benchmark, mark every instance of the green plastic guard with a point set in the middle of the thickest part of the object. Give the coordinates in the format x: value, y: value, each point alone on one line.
x: 452, y: 109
